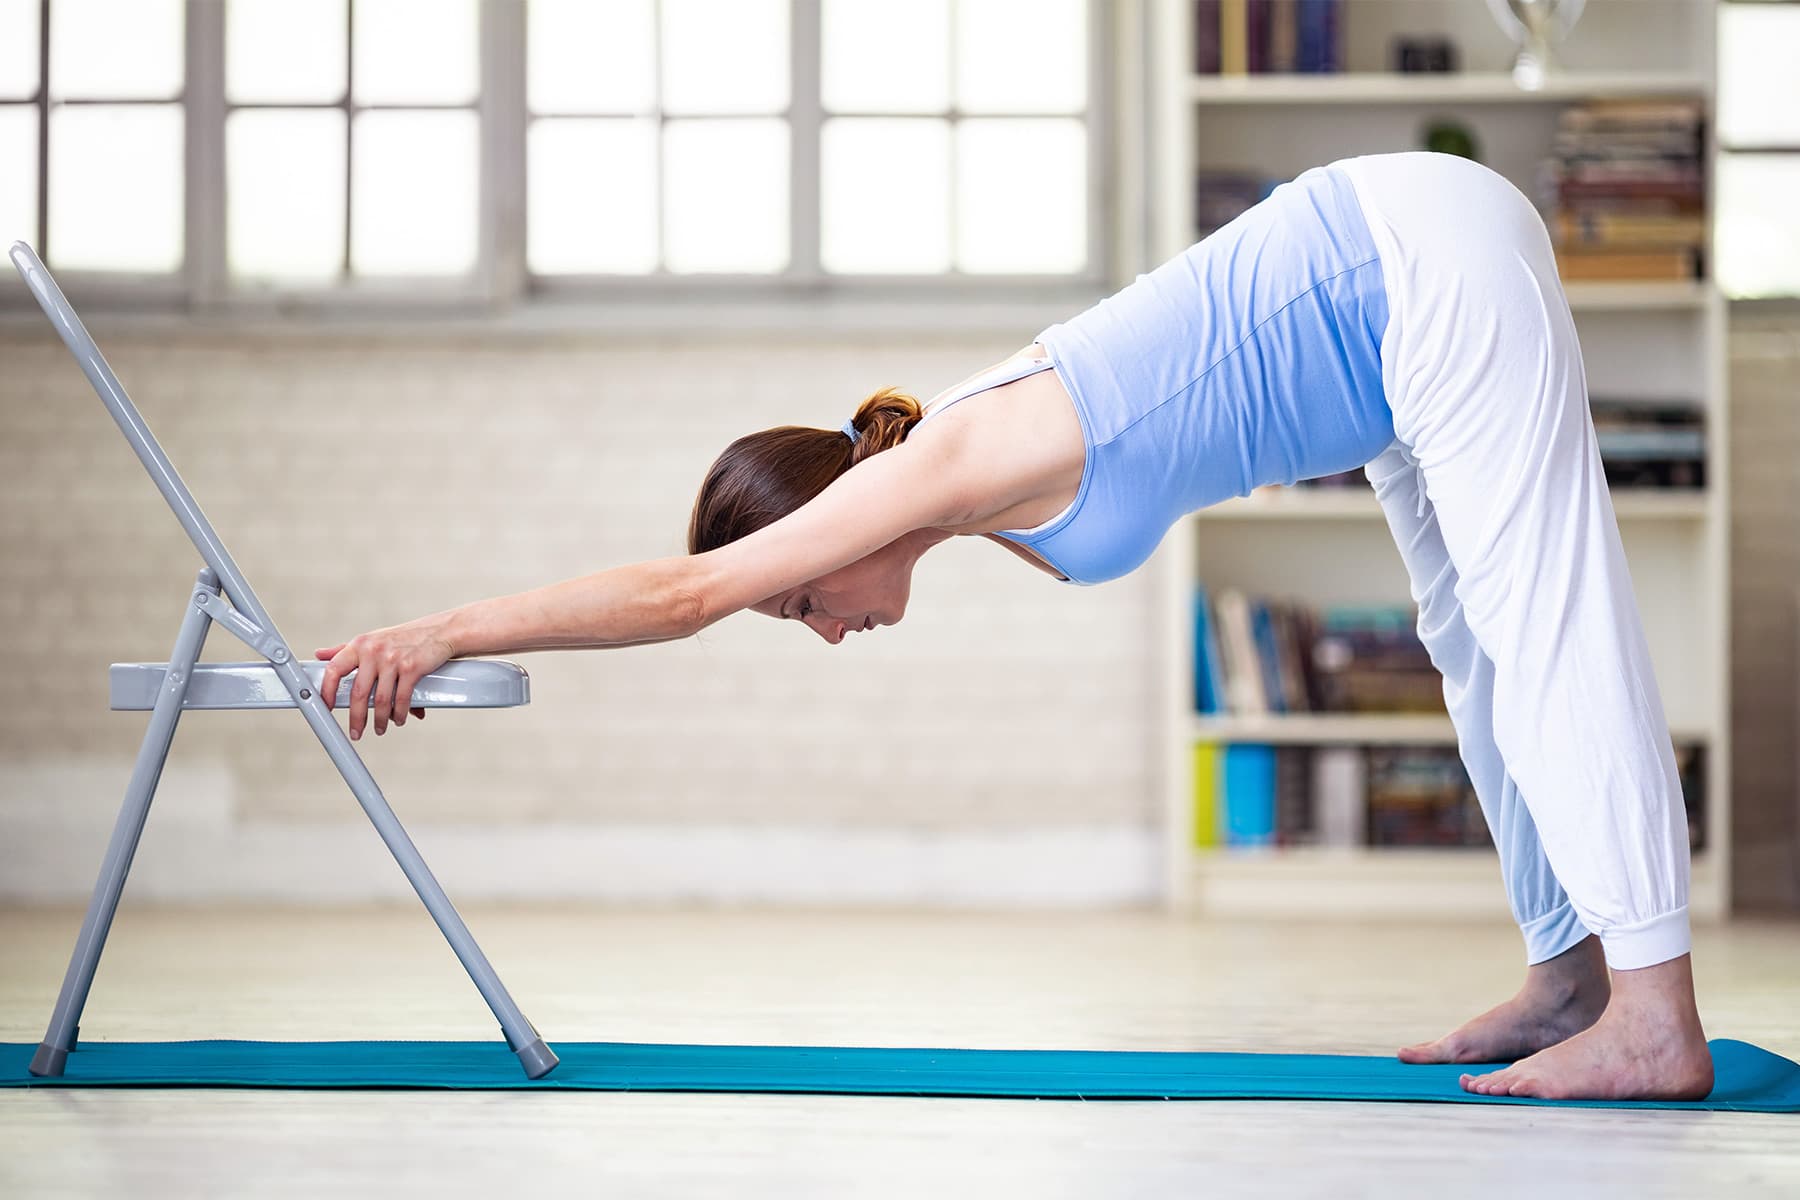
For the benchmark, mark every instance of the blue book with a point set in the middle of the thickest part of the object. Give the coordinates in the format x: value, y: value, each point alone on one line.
x: 1249, y: 779
x: 1268, y: 655
x: 1209, y: 670
x: 1315, y: 50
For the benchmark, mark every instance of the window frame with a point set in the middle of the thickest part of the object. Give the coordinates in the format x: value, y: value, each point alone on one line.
x: 500, y: 284
x: 1724, y: 149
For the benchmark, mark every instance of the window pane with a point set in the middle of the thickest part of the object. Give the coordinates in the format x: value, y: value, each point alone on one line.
x: 587, y: 57
x: 1021, y: 196
x: 1021, y: 55
x: 1759, y: 87
x: 414, y: 192
x: 115, y: 187
x: 1756, y: 240
x: 591, y: 191
x: 18, y: 48
x: 862, y: 41
x: 286, y: 50
x: 284, y: 184
x: 870, y: 221
x: 116, y: 49
x: 725, y: 197
x: 724, y: 56
x: 18, y: 182
x: 416, y: 52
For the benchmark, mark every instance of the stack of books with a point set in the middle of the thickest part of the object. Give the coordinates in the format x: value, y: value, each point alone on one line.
x: 1627, y: 190
x: 1650, y: 443
x: 1247, y: 37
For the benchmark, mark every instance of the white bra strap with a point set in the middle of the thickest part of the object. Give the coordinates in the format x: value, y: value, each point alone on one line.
x: 1006, y: 372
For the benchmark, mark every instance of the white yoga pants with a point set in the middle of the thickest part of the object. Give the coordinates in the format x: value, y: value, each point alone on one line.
x: 1496, y: 498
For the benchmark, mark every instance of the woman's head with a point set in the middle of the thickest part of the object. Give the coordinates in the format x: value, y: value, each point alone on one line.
x: 764, y: 476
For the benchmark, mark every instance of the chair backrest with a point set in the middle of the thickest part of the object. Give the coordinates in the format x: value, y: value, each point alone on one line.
x: 162, y: 472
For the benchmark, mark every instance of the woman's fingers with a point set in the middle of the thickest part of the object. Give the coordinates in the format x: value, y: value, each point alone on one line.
x: 387, y: 666
x: 367, y: 676
x: 343, y: 661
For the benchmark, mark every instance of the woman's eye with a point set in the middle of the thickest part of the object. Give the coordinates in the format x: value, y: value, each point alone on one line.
x: 805, y: 609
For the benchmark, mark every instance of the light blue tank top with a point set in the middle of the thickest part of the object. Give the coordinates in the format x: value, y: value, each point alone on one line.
x: 1253, y: 357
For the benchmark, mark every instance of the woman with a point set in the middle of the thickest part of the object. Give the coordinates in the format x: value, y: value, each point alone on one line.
x: 1398, y: 312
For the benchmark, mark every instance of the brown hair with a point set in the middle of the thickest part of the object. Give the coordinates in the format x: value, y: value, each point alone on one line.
x: 764, y: 476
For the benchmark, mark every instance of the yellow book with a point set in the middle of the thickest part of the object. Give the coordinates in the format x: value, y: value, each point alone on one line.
x: 1206, y: 794
x: 1234, y: 37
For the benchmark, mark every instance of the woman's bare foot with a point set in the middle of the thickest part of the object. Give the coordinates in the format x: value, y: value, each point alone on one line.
x: 1647, y: 1045
x: 1562, y: 996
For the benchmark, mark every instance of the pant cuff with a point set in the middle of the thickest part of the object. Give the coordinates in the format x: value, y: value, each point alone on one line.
x: 1551, y: 934
x: 1629, y: 947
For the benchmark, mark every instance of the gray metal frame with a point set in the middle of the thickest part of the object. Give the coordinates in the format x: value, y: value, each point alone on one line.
x: 218, y: 581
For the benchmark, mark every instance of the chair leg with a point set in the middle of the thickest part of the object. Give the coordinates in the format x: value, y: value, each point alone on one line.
x: 534, y: 1056
x: 53, y: 1052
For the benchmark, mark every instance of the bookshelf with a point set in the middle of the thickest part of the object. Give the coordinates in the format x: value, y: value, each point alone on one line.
x: 1325, y: 546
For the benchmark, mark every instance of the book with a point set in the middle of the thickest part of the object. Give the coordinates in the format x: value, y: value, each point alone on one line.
x: 1293, y: 796
x: 1206, y: 817
x: 1234, y: 37
x: 1268, y: 656
x: 1243, y: 673
x: 1593, y: 266
x: 1340, y: 816
x: 1206, y: 37
x: 1209, y: 669
x: 1249, y: 790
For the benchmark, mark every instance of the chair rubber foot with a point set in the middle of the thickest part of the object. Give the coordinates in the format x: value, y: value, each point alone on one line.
x: 49, y: 1061
x: 537, y: 1059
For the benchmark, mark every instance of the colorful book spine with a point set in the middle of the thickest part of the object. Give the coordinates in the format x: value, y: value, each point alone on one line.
x: 1207, y: 814
x: 1340, y: 796
x: 1209, y: 670
x: 1234, y: 37
x: 1249, y: 776
x: 1206, y: 37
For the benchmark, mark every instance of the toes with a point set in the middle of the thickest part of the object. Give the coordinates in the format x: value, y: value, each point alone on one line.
x: 1494, y: 1084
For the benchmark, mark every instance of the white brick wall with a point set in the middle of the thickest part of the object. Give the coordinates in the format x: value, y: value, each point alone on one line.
x: 362, y: 482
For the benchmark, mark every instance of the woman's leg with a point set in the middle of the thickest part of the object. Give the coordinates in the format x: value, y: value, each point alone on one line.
x: 1488, y: 391
x: 1565, y: 985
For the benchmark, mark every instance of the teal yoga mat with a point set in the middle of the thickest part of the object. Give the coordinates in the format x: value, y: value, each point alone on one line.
x: 1749, y: 1079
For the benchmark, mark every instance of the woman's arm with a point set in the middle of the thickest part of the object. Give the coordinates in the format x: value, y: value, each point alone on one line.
x: 911, y: 486
x: 623, y: 606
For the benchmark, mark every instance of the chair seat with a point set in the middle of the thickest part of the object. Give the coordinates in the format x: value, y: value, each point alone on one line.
x: 460, y: 683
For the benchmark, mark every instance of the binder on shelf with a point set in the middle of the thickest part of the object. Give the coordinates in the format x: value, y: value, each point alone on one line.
x: 1249, y: 777
x: 1206, y: 795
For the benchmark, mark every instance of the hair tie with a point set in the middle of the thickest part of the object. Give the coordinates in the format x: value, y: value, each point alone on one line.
x: 850, y: 430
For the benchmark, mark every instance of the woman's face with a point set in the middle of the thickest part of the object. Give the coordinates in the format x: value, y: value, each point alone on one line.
x: 869, y: 592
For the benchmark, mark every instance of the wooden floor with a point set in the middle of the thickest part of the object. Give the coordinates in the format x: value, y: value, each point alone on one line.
x: 1129, y: 981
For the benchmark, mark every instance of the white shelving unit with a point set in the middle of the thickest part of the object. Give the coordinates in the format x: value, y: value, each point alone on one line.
x: 1324, y: 547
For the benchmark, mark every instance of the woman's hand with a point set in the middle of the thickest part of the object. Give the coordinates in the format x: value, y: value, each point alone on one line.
x: 388, y: 663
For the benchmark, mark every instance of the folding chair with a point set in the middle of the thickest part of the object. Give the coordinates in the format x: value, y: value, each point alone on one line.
x: 167, y: 689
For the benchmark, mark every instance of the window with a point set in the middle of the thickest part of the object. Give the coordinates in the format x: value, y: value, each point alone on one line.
x: 484, y: 148
x: 809, y: 138
x: 91, y: 109
x: 1756, y: 239
x: 352, y: 144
